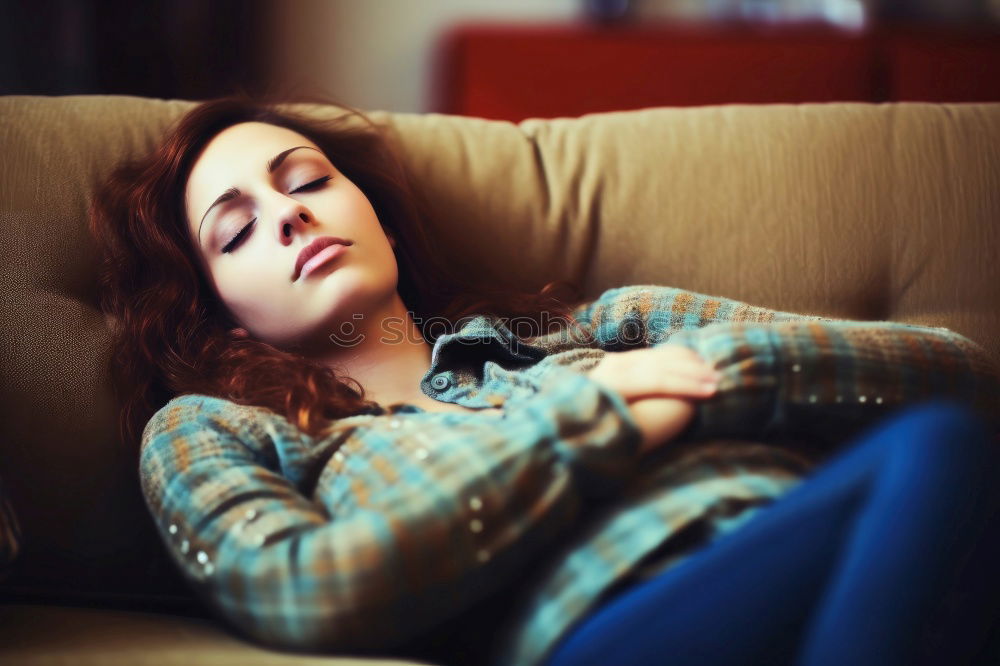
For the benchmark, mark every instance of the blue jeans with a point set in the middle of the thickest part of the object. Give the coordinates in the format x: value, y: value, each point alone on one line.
x: 887, y: 554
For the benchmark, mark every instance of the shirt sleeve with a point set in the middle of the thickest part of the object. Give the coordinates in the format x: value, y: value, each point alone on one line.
x: 645, y: 315
x: 406, y: 523
x: 825, y: 381
x: 794, y: 376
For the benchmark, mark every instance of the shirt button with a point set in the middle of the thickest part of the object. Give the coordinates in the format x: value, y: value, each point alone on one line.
x: 440, y: 382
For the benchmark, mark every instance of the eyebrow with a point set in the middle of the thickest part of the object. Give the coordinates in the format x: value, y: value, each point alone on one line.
x: 233, y: 192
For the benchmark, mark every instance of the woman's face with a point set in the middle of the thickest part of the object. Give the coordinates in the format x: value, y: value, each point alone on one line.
x: 256, y: 196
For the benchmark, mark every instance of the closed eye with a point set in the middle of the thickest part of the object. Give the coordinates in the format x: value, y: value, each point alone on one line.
x: 313, y: 185
x: 238, y: 238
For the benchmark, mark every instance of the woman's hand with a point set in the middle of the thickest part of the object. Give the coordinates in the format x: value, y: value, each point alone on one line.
x: 660, y: 385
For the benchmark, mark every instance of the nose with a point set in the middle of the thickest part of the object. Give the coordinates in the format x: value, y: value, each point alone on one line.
x: 292, y: 219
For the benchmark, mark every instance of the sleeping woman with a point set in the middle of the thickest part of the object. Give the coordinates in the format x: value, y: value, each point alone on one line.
x: 347, y: 448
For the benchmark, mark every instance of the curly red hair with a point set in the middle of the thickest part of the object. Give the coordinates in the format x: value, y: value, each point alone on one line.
x: 172, y: 336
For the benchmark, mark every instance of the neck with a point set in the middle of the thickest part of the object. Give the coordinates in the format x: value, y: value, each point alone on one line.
x: 386, y: 354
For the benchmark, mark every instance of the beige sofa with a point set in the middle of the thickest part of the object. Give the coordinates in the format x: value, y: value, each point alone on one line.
x: 850, y: 210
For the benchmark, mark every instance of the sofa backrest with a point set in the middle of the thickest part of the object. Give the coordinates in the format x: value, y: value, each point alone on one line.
x: 849, y: 210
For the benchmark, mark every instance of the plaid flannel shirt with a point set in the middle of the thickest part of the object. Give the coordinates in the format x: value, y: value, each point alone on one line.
x: 483, y: 537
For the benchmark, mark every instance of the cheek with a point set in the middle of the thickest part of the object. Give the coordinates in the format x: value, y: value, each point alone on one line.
x: 255, y: 295
x: 358, y: 208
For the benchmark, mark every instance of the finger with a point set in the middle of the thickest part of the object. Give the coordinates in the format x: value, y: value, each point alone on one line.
x: 677, y: 354
x: 697, y: 369
x: 677, y: 379
x: 668, y: 372
x: 678, y: 351
x: 659, y: 366
x: 676, y: 386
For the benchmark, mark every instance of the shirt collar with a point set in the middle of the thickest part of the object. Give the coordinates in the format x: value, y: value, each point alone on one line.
x: 491, y: 335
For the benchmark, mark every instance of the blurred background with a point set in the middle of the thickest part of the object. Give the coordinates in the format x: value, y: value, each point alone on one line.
x: 508, y: 59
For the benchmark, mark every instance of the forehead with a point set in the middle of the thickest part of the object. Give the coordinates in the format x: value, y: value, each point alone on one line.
x: 237, y: 153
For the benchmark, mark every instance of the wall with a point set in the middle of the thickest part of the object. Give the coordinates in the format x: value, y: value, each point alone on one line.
x: 379, y: 54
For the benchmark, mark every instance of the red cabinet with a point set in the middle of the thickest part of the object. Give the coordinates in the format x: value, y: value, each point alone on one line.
x: 942, y: 65
x: 515, y: 72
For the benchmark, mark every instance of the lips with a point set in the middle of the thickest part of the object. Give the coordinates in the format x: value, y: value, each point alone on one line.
x: 314, y: 248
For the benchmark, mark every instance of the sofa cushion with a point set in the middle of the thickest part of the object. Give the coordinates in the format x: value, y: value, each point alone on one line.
x: 32, y: 634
